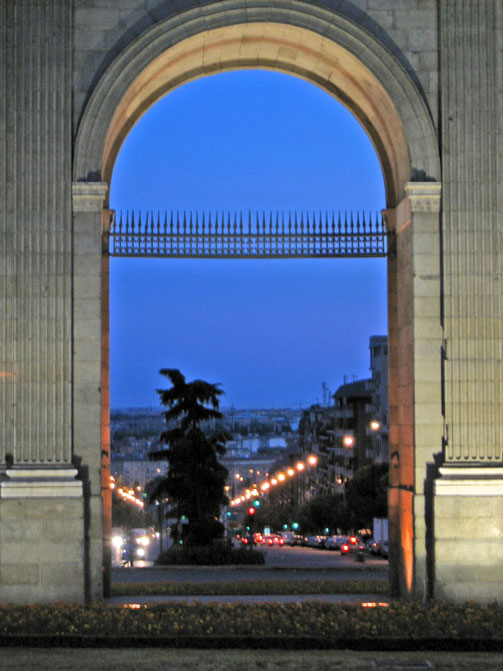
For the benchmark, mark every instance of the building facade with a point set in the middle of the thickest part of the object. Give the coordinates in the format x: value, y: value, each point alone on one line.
x: 353, y: 432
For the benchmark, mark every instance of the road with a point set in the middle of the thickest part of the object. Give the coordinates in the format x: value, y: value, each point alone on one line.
x: 289, y: 563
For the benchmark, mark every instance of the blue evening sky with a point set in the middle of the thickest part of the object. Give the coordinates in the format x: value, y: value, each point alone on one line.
x: 270, y: 331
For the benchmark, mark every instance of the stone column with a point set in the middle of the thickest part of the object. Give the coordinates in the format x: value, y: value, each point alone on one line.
x: 41, y: 501
x: 90, y: 375
x: 414, y: 356
x: 468, y: 502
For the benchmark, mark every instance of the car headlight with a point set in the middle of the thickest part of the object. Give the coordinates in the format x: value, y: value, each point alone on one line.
x: 117, y: 541
x: 140, y: 552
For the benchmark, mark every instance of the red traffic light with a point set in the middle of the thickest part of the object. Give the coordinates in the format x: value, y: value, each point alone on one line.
x: 251, y: 510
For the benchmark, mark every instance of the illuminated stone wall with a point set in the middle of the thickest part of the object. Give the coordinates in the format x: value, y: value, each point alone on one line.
x: 77, y: 76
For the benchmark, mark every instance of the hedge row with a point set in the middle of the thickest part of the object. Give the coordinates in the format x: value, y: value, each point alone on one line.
x: 252, y: 587
x: 310, y: 624
x: 210, y: 555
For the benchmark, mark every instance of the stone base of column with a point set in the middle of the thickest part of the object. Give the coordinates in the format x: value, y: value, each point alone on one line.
x: 42, y: 553
x: 468, y: 534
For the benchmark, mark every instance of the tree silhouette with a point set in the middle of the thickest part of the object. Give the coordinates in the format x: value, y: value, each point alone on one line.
x: 195, y: 480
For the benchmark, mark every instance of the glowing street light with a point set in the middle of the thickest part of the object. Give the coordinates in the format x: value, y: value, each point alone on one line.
x: 300, y: 466
x: 281, y: 477
x: 375, y: 425
x: 312, y: 460
x: 290, y: 472
x: 348, y: 441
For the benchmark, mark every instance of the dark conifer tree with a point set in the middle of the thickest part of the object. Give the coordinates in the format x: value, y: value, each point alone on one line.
x: 195, y: 482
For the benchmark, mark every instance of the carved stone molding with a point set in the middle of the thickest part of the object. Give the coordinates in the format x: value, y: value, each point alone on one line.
x: 39, y: 483
x: 424, y: 196
x: 470, y: 481
x: 88, y: 196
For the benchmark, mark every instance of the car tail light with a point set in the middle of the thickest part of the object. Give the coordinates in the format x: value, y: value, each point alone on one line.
x: 345, y: 548
x: 353, y: 540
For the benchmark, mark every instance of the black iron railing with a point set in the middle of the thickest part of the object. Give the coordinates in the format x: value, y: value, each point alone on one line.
x: 226, y: 236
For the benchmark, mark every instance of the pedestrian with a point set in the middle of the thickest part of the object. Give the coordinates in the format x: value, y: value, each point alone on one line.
x: 129, y: 552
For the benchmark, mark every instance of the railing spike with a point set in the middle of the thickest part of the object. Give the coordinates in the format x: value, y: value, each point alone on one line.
x: 274, y: 234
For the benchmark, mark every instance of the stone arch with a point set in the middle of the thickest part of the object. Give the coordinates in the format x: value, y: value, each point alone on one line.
x: 322, y: 47
x: 340, y: 56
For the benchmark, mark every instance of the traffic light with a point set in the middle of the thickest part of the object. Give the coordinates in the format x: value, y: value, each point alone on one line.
x: 251, y: 510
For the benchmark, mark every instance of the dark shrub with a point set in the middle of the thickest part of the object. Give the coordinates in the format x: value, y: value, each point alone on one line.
x: 218, y: 554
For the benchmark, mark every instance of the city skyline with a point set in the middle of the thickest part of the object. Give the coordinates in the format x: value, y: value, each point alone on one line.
x: 271, y: 332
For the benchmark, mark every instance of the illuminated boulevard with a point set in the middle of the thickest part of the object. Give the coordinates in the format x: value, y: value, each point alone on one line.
x: 285, y: 563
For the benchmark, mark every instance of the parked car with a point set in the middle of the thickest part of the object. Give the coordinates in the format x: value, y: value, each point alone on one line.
x: 334, y: 542
x: 372, y: 546
x: 316, y: 541
x: 352, y: 544
x: 288, y: 537
x: 258, y: 539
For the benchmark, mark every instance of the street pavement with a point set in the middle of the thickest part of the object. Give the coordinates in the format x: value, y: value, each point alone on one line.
x: 285, y: 563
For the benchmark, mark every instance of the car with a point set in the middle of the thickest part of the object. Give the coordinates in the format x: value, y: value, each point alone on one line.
x: 334, y: 542
x: 288, y: 537
x: 316, y: 541
x: 352, y: 544
x: 258, y: 539
x: 142, y: 536
x: 372, y: 546
x: 274, y: 539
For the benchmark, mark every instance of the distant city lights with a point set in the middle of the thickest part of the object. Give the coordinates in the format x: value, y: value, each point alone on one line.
x: 275, y: 480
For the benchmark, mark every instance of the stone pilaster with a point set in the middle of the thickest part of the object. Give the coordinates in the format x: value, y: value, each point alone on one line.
x: 41, y: 499
x: 468, y: 492
x: 35, y: 234
x: 90, y: 365
x: 472, y: 132
x: 415, y: 340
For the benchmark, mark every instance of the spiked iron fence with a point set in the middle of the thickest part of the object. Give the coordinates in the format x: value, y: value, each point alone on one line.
x: 220, y: 236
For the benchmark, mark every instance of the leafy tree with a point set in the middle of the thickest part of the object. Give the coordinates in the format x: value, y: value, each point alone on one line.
x: 274, y: 515
x: 366, y: 495
x: 323, y: 511
x: 157, y: 493
x: 127, y: 515
x: 195, y: 480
